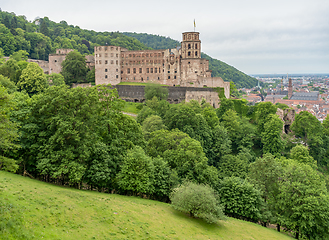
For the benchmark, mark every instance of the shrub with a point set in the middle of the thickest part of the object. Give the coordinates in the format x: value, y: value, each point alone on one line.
x: 198, y: 200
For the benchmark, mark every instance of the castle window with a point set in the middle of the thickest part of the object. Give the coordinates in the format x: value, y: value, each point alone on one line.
x: 196, y: 46
x: 105, y: 49
x: 168, y: 77
x: 111, y: 61
x: 147, y: 55
x: 188, y: 53
x: 175, y: 77
x: 116, y: 76
x: 147, y: 70
x: 151, y: 55
x: 147, y: 78
x: 117, y: 70
x: 188, y: 62
x: 105, y: 61
x: 105, y: 76
x: 155, y: 70
x: 133, y: 55
x: 116, y: 62
x: 129, y: 55
x: 105, y: 54
x: 105, y: 69
x: 134, y: 78
x: 100, y: 62
x: 140, y: 70
x: 55, y: 60
x: 111, y: 48
x: 134, y: 70
x: 196, y: 54
x: 128, y: 70
x: 100, y: 48
x: 168, y: 71
x: 175, y: 71
x: 111, y: 54
x: 121, y: 72
x: 99, y: 55
x: 158, y: 78
x: 117, y: 55
x: 151, y: 70
x: 143, y: 55
x: 116, y: 48
x: 189, y: 46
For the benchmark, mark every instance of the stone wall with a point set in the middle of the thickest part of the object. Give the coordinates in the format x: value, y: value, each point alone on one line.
x: 132, y: 93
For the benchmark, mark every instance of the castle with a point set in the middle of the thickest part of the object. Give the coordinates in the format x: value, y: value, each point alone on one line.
x: 182, y: 69
x: 182, y: 66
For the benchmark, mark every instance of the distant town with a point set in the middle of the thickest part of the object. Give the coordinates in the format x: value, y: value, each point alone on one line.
x: 308, y: 92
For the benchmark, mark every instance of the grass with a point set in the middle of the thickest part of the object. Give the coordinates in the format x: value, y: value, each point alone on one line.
x: 132, y: 107
x: 30, y: 209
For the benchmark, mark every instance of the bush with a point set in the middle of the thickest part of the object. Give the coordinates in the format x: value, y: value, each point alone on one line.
x: 198, y: 200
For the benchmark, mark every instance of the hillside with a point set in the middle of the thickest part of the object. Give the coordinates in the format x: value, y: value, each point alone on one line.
x: 32, y: 209
x: 219, y: 68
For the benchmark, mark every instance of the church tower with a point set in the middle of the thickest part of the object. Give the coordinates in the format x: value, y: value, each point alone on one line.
x: 191, y: 45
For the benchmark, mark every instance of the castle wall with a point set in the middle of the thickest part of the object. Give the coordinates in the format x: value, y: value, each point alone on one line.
x: 133, y: 93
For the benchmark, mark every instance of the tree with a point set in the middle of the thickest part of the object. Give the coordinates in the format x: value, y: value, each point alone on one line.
x: 9, y: 85
x: 151, y: 124
x: 271, y: 137
x: 240, y: 199
x: 197, y: 200
x: 32, y: 80
x: 8, y: 132
x: 303, y: 201
x: 155, y: 90
x: 309, y: 129
x: 136, y: 172
x: 74, y: 68
x: 266, y: 173
x: 262, y: 113
x: 55, y: 79
x: 301, y: 154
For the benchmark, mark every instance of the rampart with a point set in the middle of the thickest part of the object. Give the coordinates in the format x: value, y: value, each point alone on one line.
x: 133, y: 93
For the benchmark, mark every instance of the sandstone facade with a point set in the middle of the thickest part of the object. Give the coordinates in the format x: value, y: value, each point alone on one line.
x: 182, y: 66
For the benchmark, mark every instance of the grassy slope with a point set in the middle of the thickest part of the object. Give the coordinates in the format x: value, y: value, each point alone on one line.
x: 52, y: 212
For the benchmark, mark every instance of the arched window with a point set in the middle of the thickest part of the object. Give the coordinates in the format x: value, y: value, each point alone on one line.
x: 189, y: 46
x: 196, y: 54
x: 196, y: 46
x: 189, y: 54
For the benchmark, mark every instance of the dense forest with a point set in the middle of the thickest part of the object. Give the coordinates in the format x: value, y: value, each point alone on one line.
x: 43, y: 36
x: 219, y: 68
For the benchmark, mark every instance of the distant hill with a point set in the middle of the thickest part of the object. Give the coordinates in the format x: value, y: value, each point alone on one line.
x: 219, y: 68
x: 32, y: 209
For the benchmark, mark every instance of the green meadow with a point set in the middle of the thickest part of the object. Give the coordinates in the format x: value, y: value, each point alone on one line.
x: 31, y: 209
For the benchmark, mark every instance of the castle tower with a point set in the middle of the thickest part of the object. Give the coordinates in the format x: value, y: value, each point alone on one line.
x: 290, y: 88
x: 191, y: 45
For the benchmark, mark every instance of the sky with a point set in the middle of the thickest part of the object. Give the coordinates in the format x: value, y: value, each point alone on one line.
x: 254, y: 36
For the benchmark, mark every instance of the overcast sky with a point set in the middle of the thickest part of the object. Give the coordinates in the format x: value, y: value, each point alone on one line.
x: 255, y: 36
